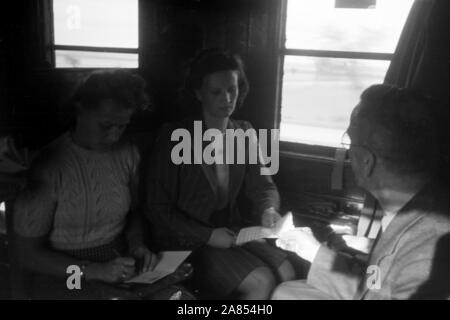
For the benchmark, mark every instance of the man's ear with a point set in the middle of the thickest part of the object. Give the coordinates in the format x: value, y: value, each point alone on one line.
x: 369, y: 163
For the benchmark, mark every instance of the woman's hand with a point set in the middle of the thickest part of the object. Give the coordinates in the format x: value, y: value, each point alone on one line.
x: 117, y: 270
x: 146, y: 260
x: 222, y: 238
x: 269, y: 218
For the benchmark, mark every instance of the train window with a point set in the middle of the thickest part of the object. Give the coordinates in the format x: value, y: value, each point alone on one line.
x: 333, y: 50
x: 95, y: 33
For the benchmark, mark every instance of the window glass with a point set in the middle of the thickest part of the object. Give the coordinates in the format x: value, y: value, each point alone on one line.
x: 88, y: 59
x: 318, y: 93
x: 318, y: 25
x: 96, y: 23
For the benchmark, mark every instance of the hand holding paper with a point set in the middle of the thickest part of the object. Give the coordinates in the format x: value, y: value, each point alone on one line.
x: 270, y: 217
x: 361, y: 244
x: 255, y: 233
x: 169, y: 261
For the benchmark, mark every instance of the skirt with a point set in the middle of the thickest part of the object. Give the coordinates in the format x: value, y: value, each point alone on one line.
x: 220, y: 271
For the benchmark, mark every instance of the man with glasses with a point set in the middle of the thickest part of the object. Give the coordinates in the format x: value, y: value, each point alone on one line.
x: 392, y: 143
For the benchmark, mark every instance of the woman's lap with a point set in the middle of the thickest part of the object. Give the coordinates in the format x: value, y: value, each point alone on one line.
x: 221, y: 271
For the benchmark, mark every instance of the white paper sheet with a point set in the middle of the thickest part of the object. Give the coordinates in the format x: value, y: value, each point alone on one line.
x: 245, y: 235
x: 168, y: 263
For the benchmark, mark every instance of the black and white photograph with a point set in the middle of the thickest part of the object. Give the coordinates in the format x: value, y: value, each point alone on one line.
x: 221, y: 151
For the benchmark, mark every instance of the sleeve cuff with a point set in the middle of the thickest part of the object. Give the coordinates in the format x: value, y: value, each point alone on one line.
x: 311, y: 253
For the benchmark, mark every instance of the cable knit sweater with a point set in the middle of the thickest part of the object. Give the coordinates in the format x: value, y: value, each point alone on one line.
x: 79, y: 198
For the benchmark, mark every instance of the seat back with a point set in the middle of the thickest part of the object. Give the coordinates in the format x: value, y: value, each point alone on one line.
x: 19, y: 278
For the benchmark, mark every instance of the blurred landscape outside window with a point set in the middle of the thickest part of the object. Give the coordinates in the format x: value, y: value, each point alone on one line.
x: 96, y: 33
x: 331, y: 54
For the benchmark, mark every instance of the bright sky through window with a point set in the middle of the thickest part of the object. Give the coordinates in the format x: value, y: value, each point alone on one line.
x: 96, y: 23
x: 319, y: 25
x: 319, y: 93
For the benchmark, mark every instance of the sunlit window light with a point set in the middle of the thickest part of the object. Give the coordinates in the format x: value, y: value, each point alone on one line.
x: 319, y: 93
x: 95, y: 24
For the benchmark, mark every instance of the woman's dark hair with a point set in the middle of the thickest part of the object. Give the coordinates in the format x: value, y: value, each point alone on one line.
x: 121, y: 86
x: 211, y: 61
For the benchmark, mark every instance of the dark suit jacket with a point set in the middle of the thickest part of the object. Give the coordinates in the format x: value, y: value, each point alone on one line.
x: 412, y: 255
x: 181, y: 199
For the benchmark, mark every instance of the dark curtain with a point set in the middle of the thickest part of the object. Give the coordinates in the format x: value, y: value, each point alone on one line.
x: 421, y: 61
x: 408, y: 60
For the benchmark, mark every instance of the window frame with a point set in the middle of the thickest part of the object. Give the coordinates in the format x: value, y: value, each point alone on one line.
x: 305, y: 150
x: 51, y: 47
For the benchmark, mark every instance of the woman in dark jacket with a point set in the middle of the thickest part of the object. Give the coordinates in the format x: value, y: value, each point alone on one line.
x: 192, y: 205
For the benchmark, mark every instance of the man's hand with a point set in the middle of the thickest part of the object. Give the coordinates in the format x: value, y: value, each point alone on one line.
x: 301, y: 241
x: 222, y: 238
x: 146, y: 260
x: 361, y: 244
x: 269, y: 218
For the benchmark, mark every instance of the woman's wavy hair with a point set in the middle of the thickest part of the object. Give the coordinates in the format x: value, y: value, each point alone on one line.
x: 118, y: 85
x: 211, y: 61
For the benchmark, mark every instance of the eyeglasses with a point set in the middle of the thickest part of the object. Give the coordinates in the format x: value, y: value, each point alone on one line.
x: 346, y: 143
